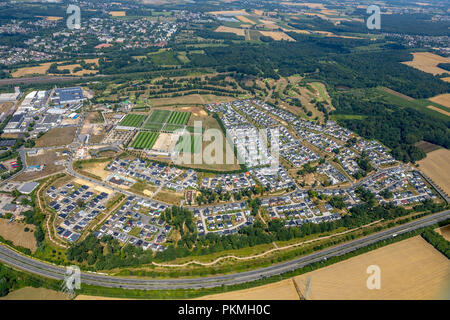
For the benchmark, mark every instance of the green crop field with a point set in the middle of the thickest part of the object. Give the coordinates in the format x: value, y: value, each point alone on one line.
x: 132, y: 120
x: 145, y: 140
x: 158, y: 116
x: 179, y: 117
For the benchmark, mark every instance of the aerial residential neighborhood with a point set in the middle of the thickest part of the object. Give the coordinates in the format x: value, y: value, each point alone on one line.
x: 235, y: 150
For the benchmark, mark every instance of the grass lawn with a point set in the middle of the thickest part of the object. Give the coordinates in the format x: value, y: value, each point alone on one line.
x: 158, y: 116
x: 145, y: 140
x: 132, y: 120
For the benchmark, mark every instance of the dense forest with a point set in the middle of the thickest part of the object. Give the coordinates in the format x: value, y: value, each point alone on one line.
x: 398, y: 128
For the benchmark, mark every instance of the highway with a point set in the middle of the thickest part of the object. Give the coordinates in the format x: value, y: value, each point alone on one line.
x: 11, y: 257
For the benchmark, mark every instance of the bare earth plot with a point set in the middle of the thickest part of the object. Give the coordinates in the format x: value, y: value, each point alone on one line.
x: 44, y: 158
x: 57, y: 137
x: 427, y: 62
x: 410, y: 269
x: 444, y: 231
x: 15, y: 232
x: 436, y: 167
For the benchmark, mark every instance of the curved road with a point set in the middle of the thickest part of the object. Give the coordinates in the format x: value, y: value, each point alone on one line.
x: 20, y: 261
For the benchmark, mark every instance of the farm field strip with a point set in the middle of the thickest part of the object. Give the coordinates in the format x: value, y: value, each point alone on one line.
x: 132, y: 120
x: 145, y: 140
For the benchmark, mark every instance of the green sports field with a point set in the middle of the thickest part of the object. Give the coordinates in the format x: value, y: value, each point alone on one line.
x: 158, y: 116
x: 179, y: 117
x: 132, y: 120
x: 145, y: 140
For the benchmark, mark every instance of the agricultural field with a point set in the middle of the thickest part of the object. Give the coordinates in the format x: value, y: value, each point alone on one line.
x: 427, y: 62
x: 30, y: 293
x: 179, y: 117
x: 16, y: 233
x: 132, y: 120
x: 410, y: 269
x: 434, y: 166
x: 443, y: 99
x: 145, y: 140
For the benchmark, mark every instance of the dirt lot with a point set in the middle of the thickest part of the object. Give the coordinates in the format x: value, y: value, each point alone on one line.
x: 15, y: 232
x: 47, y: 159
x: 91, y: 185
x: 443, y: 99
x: 436, y: 167
x: 30, y: 293
x: 5, y: 106
x: 410, y: 269
x: 97, y: 168
x: 427, y: 62
x: 57, y: 137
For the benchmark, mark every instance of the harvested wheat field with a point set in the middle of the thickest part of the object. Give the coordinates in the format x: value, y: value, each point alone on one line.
x: 245, y: 19
x: 30, y: 293
x: 436, y: 167
x: 236, y: 31
x: 427, y: 62
x: 282, y: 290
x: 446, y: 79
x: 15, y: 232
x: 439, y: 110
x: 117, y: 13
x: 410, y: 269
x: 85, y: 297
x: 309, y: 5
x: 277, y: 35
x: 229, y: 12
x: 444, y: 231
x: 28, y: 71
x: 443, y: 99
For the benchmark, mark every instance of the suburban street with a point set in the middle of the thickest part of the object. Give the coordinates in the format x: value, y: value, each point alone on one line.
x: 20, y: 261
